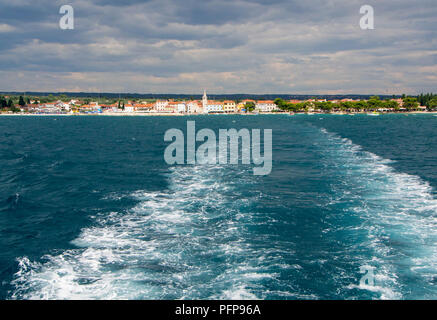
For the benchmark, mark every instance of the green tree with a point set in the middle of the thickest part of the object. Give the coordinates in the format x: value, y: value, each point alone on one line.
x: 410, y: 103
x: 294, y: 107
x: 374, y: 103
x: 21, y: 101
x: 249, y: 106
x: 347, y: 105
x: 361, y: 105
x: 3, y: 103
x: 390, y: 104
x: 281, y: 104
x: 325, y: 106
x: 432, y: 104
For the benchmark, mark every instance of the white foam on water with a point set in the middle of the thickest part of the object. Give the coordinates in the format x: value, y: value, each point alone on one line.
x: 385, y: 293
x: 238, y: 293
x: 162, y: 248
x: 399, y: 214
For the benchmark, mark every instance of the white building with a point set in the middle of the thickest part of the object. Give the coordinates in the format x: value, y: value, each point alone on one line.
x: 194, y: 107
x: 161, y: 105
x: 49, y: 108
x: 129, y: 108
x: 63, y: 106
x: 229, y: 106
x: 266, y: 106
x: 213, y: 106
x: 181, y: 107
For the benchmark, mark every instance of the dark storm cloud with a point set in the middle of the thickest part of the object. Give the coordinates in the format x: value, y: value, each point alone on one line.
x: 224, y: 45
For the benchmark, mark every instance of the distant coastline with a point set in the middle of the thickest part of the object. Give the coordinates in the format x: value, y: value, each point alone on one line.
x: 63, y: 105
x: 19, y: 114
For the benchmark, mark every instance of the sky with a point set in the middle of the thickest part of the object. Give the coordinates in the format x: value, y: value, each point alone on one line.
x: 223, y: 46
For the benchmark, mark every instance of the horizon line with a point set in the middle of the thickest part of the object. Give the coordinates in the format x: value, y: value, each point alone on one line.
x: 217, y: 94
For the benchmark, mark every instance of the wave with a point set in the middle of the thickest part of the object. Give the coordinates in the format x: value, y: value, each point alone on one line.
x: 398, y: 218
x: 197, y: 239
x: 187, y: 242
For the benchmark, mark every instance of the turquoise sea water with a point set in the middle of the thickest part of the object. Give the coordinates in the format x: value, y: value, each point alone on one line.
x: 90, y: 210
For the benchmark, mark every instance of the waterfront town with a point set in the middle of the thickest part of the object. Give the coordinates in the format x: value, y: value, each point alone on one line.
x: 374, y: 105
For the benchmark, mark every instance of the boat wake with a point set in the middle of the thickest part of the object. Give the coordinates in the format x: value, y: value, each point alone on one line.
x: 213, y: 235
x: 397, y: 220
x: 185, y: 243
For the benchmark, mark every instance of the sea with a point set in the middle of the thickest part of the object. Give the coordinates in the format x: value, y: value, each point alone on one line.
x: 89, y: 209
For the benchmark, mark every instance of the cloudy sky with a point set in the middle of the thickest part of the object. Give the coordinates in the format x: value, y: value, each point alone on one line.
x: 224, y: 46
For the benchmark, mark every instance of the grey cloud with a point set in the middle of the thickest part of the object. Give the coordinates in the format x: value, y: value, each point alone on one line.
x: 279, y: 46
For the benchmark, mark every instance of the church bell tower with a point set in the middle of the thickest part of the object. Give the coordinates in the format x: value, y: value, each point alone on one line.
x: 204, y: 100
